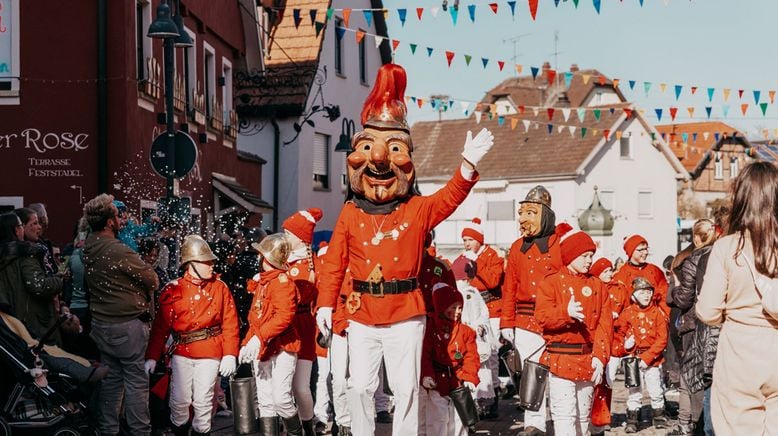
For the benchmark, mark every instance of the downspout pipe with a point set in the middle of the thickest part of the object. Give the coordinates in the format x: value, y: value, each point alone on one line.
x: 276, y: 167
x: 102, y: 97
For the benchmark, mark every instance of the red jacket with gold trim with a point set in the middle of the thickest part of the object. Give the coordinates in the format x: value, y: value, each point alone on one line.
x: 449, y: 354
x: 272, y: 313
x: 649, y: 326
x: 488, y: 277
x: 303, y: 275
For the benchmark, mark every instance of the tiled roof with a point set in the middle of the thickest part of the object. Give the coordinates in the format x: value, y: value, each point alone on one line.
x: 691, y: 152
x: 516, y: 154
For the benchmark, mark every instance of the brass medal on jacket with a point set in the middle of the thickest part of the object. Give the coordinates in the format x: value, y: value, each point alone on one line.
x: 353, y: 302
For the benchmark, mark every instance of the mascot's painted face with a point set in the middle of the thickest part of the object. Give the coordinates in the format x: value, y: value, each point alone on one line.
x: 530, y: 216
x: 380, y: 167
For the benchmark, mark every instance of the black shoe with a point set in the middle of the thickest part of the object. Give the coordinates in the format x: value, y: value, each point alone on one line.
x: 197, y: 433
x: 531, y: 431
x: 268, y: 426
x: 510, y: 392
x: 308, y: 428
x: 320, y: 428
x: 660, y: 420
x: 181, y: 430
x: 293, y: 425
x: 383, y: 417
x: 632, y: 421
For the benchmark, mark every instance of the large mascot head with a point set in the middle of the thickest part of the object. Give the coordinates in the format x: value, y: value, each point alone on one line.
x: 380, y: 168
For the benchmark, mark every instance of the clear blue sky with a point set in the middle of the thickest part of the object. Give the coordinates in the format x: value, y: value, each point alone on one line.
x: 705, y: 43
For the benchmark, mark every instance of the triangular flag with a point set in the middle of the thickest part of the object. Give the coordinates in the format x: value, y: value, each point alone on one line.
x: 368, y: 17
x: 658, y: 114
x: 420, y: 101
x: 494, y: 7
x: 560, y: 128
x: 631, y: 85
x: 601, y: 79
x: 319, y: 27
x: 586, y: 78
x: 556, y: 3
x: 550, y: 112
x: 467, y: 59
x: 685, y: 137
x: 716, y: 136
x: 612, y: 110
x: 678, y: 89
x: 725, y: 110
x: 757, y: 96
x: 339, y: 32
x: 615, y: 83
x: 641, y: 3
x: 606, y: 133
x: 429, y: 51
x: 535, y: 110
x: 575, y: 2
x: 673, y: 112
x: 330, y: 11
x: 594, y: 132
x: 533, y: 8
x: 514, y: 122
x: 434, y: 103
x: 744, y: 108
x: 628, y: 112
x: 312, y: 13
x: 694, y: 137
x: 500, y: 120
x: 740, y: 94
x: 619, y: 134
x: 484, y: 61
x: 763, y: 106
x: 596, y: 114
x: 526, y: 125
x: 690, y: 109
x: 726, y: 93
x: 395, y: 44
x: 413, y: 48
x: 297, y: 18
x: 550, y: 128
x: 646, y: 87
x: 402, y: 14
x: 571, y: 129
x: 710, y: 93
x: 378, y: 40
x: 434, y: 11
x: 583, y: 132
x: 534, y: 72
x: 478, y: 117
x: 568, y: 78
x: 772, y: 96
x: 694, y: 89
x: 501, y: 64
x: 662, y: 87
x: 581, y: 114
x: 550, y: 76
x: 454, y: 14
x: 518, y: 69
x: 708, y: 109
x: 346, y: 16
x: 512, y: 4
x: 449, y: 57
x: 471, y: 11
x: 419, y: 12
x: 566, y: 113
x: 597, y: 6
x: 705, y: 135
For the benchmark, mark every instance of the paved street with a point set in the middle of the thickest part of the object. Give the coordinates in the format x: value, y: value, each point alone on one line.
x: 510, y: 421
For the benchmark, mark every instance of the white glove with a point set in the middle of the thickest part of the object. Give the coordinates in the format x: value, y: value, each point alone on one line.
x: 250, y: 351
x: 608, y: 371
x: 324, y: 320
x: 470, y: 255
x: 256, y: 277
x: 643, y: 364
x: 629, y: 343
x: 615, y: 315
x: 598, y: 370
x: 227, y: 366
x: 507, y: 334
x: 470, y: 386
x: 476, y: 148
x: 150, y: 365
x: 428, y: 383
x: 574, y: 309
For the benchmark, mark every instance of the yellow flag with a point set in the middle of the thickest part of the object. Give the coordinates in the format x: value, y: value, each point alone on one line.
x: 662, y: 87
x: 586, y: 78
x: 514, y: 122
x: 726, y: 93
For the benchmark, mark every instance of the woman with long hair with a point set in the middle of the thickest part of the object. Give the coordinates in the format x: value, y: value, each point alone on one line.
x: 744, y: 396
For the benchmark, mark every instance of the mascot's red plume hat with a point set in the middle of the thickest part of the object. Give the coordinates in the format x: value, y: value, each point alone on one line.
x: 385, y: 106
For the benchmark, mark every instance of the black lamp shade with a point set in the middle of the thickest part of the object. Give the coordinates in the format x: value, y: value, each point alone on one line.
x: 163, y: 26
x: 183, y: 39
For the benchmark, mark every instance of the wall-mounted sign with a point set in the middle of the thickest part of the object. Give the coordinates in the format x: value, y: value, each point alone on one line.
x: 8, y: 46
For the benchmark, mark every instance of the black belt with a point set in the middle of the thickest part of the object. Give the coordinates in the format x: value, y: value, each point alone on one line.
x: 385, y: 288
x: 303, y: 308
x: 489, y: 296
x: 197, y: 335
x: 525, y: 308
x: 562, y: 348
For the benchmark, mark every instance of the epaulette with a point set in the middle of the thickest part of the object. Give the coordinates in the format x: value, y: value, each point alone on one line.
x: 170, y: 294
x: 283, y: 278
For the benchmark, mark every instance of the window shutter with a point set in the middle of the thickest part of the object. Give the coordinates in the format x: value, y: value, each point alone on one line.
x: 320, y: 154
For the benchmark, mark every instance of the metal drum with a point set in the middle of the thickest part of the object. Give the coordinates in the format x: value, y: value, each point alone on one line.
x: 243, y: 391
x: 631, y: 371
x: 464, y: 405
x: 532, y: 389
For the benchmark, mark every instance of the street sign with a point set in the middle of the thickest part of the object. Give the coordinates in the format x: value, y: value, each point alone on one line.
x: 186, y: 154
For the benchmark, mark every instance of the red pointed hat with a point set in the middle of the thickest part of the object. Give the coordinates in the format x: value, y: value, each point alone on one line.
x: 474, y: 230
x: 302, y: 222
x: 385, y: 106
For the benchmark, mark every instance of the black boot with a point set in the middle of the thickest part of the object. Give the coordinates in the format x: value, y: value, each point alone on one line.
x: 344, y: 431
x: 293, y: 425
x: 268, y: 426
x: 197, y: 433
x: 308, y: 428
x: 181, y: 430
x: 660, y: 420
x: 632, y: 421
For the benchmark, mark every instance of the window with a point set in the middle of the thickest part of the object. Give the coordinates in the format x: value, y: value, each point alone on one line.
x: 362, y: 62
x: 190, y: 71
x: 321, y: 161
x: 625, y: 147
x: 209, y: 77
x: 142, y: 42
x: 718, y: 168
x: 339, y: 48
x: 500, y: 210
x: 644, y: 204
x: 10, y: 67
x: 226, y: 88
x: 734, y: 167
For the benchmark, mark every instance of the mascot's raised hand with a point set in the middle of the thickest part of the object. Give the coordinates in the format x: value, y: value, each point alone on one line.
x: 477, y: 147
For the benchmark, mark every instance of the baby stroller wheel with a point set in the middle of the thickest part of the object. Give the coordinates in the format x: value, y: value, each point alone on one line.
x: 65, y: 431
x: 5, y: 429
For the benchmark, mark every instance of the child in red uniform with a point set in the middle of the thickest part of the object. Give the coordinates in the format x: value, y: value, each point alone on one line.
x: 449, y: 360
x: 644, y: 325
x: 573, y: 310
x: 272, y: 342
x: 199, y: 311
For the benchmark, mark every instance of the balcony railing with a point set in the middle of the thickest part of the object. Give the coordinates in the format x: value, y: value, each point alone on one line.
x: 231, y: 130
x: 152, y: 86
x: 217, y: 115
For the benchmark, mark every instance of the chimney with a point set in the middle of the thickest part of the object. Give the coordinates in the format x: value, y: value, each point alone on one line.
x: 546, y: 67
x: 574, y: 68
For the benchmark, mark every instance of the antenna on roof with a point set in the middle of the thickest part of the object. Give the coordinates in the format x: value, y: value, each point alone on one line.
x: 442, y: 103
x: 556, y: 56
x: 515, y: 41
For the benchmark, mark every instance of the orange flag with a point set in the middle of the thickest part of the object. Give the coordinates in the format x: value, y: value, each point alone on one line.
x: 602, y: 80
x: 615, y: 83
x: 514, y: 121
x: 395, y: 43
x: 346, y: 16
x: 360, y: 35
x: 744, y: 108
x: 518, y: 68
x: 772, y: 96
x: 449, y: 57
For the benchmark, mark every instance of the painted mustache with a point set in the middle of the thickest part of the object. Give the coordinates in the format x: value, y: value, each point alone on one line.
x: 395, y: 171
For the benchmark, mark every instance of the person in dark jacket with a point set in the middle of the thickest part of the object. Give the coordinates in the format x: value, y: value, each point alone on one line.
x: 689, y: 281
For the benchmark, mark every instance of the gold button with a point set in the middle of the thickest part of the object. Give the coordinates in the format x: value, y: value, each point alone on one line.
x: 396, y: 258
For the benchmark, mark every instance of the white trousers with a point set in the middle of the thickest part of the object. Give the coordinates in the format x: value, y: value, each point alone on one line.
x: 610, y: 370
x: 301, y: 387
x: 527, y: 342
x: 494, y: 360
x: 651, y: 379
x: 340, y: 384
x: 400, y: 346
x: 441, y: 417
x: 383, y: 402
x: 191, y: 384
x: 571, y: 405
x: 274, y: 385
x: 323, y: 397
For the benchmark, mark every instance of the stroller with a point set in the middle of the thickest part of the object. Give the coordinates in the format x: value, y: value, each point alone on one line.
x: 36, y: 401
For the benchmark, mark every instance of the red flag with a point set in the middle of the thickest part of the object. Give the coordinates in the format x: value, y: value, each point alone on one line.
x: 346, y: 16
x: 602, y: 80
x: 550, y: 112
x: 606, y: 133
x: 449, y: 57
x: 521, y: 109
x: 694, y: 89
x: 673, y: 111
x: 395, y: 43
x: 494, y: 7
x: 502, y: 64
x: 420, y: 102
x: 419, y: 11
x: 628, y: 112
x: 739, y: 93
x: 533, y: 8
x: 550, y: 75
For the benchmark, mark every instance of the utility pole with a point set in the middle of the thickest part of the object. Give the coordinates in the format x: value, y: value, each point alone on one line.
x: 515, y: 41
